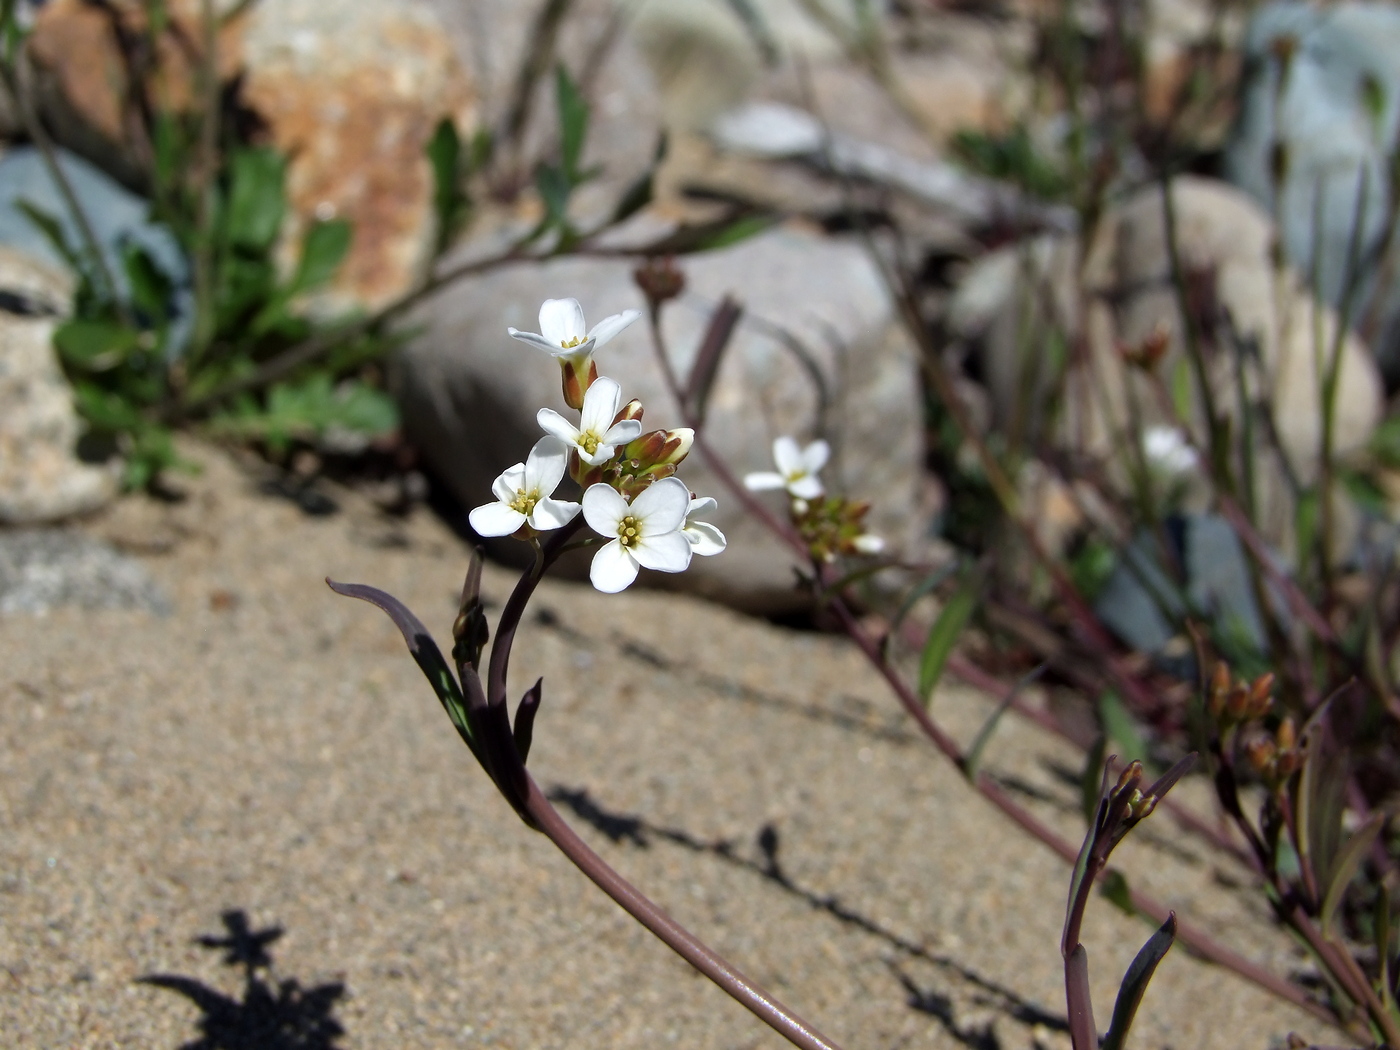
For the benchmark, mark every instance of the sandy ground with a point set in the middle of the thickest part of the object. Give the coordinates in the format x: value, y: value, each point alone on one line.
x: 268, y: 758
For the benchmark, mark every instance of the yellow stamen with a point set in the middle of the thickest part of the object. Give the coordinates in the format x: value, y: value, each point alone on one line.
x: 628, y: 531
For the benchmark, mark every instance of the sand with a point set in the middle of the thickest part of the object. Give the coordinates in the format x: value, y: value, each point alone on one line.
x: 267, y: 758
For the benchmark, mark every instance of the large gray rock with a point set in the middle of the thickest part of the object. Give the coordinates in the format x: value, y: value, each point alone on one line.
x: 1336, y: 115
x: 469, y: 393
x: 41, y: 477
x: 1014, y: 299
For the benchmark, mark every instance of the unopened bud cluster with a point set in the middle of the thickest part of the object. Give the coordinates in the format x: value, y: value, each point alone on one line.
x: 630, y: 494
x: 1231, y: 701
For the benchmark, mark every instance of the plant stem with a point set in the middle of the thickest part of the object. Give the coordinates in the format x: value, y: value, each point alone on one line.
x: 740, y: 988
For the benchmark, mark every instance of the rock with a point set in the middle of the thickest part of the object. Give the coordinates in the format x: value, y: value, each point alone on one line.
x: 117, y: 217
x: 41, y: 477
x: 349, y: 91
x: 1012, y: 298
x: 1336, y: 117
x: 41, y: 569
x: 469, y: 393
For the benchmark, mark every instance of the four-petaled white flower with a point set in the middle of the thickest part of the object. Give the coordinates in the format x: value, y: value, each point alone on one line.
x: 705, y: 539
x: 1167, y: 450
x: 797, y: 469
x: 645, y: 533
x: 523, y: 494
x: 596, y: 437
x: 562, y: 331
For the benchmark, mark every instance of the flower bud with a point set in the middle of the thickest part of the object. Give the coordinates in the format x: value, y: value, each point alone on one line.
x: 659, y: 279
x: 659, y: 448
x: 578, y: 375
x: 631, y: 410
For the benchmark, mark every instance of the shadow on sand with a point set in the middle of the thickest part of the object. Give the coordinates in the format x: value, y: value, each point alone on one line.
x: 274, y: 1013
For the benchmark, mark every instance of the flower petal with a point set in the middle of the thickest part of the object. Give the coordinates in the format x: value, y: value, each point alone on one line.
x: 511, y: 481
x: 868, y: 544
x: 545, y: 466
x: 815, y: 455
x: 763, y: 480
x: 611, y: 326
x: 622, y: 432
x: 603, y: 508
x: 668, y: 552
x: 532, y: 339
x: 705, y: 539
x: 700, y: 505
x: 661, y: 507
x: 553, y: 514
x: 787, y: 456
x: 600, y: 455
x: 553, y: 423
x: 613, y: 569
x: 600, y: 405
x: 809, y: 486
x: 561, y: 320
x: 495, y: 519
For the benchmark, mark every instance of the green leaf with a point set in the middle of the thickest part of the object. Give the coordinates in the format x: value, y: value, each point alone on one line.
x: 1114, y: 886
x: 738, y: 230
x: 1305, y: 518
x: 1348, y: 860
x: 573, y: 123
x: 1121, y: 728
x: 52, y: 230
x: 105, y: 409
x: 256, y: 199
x: 323, y: 249
x: 972, y: 761
x: 1183, y: 398
x: 449, y: 202
x: 95, y: 346
x: 1135, y: 982
x: 150, y: 287
x: 943, y: 635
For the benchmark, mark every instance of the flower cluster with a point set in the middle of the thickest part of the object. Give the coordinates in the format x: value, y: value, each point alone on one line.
x: 828, y: 525
x: 649, y: 518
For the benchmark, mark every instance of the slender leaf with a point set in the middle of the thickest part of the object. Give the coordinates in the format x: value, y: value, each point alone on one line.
x: 1082, y: 1032
x: 525, y: 719
x: 95, y: 346
x: 1121, y: 728
x: 322, y: 251
x: 1183, y: 396
x: 150, y: 286
x: 943, y: 635
x: 1114, y: 886
x: 423, y: 649
x: 972, y: 761
x: 1345, y: 867
x: 573, y: 123
x: 1135, y: 983
x: 925, y: 586
x: 1381, y: 922
x: 1091, y: 780
x: 52, y: 230
x: 738, y: 230
x: 256, y: 199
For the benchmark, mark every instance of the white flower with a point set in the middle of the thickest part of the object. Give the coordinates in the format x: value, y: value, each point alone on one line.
x: 1167, y: 450
x: 645, y: 533
x: 596, y: 437
x: 562, y: 330
x: 705, y: 539
x: 868, y: 543
x: 797, y: 469
x: 523, y: 494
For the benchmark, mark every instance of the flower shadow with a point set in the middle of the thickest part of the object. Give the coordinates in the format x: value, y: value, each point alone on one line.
x: 273, y: 1013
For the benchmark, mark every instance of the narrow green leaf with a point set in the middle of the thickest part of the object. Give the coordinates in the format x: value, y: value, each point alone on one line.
x: 573, y: 123
x: 1183, y: 399
x: 150, y: 287
x: 95, y: 346
x: 255, y: 198
x: 972, y: 761
x: 323, y: 249
x: 1135, y: 983
x: 1122, y: 729
x: 1348, y: 860
x: 1114, y: 886
x: 53, y: 233
x: 1381, y: 922
x: 925, y: 586
x: 738, y: 230
x: 943, y: 635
